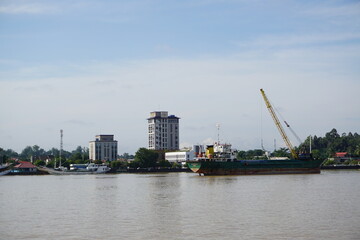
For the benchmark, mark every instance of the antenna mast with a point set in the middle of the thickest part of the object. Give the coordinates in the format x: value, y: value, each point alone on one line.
x: 218, y: 135
x: 61, y: 145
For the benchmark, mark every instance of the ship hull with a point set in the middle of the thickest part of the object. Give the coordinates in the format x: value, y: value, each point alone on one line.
x: 59, y: 172
x: 253, y: 167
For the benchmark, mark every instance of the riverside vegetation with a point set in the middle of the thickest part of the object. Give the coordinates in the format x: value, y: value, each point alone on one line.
x: 322, y: 148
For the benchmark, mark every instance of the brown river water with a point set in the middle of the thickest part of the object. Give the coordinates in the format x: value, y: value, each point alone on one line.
x: 181, y: 206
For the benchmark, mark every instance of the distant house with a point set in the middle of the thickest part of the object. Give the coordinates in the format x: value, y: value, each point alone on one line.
x: 341, y: 154
x: 46, y: 158
x: 24, y: 167
x: 341, y: 157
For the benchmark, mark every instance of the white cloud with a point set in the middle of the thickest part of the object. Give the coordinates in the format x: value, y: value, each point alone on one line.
x: 28, y: 8
x: 286, y: 40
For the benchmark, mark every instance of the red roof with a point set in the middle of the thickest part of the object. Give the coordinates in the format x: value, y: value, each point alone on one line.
x: 341, y: 154
x: 24, y: 164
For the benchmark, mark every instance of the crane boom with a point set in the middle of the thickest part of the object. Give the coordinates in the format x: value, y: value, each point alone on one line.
x: 278, y: 125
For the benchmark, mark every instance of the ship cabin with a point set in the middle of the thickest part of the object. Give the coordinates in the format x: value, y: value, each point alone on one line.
x: 218, y: 153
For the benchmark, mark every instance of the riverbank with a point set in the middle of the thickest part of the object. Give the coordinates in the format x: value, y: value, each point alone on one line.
x: 171, y: 170
x: 38, y: 172
x: 335, y: 167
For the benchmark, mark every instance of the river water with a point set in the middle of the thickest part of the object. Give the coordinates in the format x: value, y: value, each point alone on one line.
x: 181, y: 206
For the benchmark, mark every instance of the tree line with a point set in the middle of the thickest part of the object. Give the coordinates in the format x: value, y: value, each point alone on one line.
x: 332, y: 142
x: 38, y: 155
x: 143, y: 158
x: 322, y: 148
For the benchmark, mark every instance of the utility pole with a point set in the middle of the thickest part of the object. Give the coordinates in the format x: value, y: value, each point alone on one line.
x: 274, y: 144
x: 82, y: 153
x: 61, y: 145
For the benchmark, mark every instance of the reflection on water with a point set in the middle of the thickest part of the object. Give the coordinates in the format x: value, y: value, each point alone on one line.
x: 181, y: 206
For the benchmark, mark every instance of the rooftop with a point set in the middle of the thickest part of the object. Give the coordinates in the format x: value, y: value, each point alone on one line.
x: 24, y: 164
x: 341, y: 154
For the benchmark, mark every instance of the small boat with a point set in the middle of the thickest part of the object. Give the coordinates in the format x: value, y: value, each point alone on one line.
x: 2, y: 173
x: 90, y: 168
x: 3, y: 167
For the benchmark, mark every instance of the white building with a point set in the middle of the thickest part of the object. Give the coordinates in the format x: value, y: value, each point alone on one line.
x: 179, y: 156
x: 163, y: 131
x: 104, y: 148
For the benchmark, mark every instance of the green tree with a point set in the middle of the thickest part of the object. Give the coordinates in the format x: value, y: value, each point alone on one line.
x: 80, y: 153
x: 115, y: 165
x: 32, y: 152
x: 50, y: 164
x: 2, y: 156
x: 66, y: 163
x: 134, y: 164
x: 241, y: 155
x: 357, y: 150
x: 146, y: 158
x: 53, y: 152
x: 164, y: 163
x: 98, y: 162
x: 176, y: 165
x: 250, y: 154
x: 37, y: 151
x: 39, y: 163
x: 6, y: 155
x: 76, y: 156
x: 324, y: 147
x: 282, y: 152
x: 127, y: 156
x: 26, y: 153
x: 333, y: 134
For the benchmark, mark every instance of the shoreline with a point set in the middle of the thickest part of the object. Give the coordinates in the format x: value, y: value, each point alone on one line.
x: 332, y: 167
x: 169, y: 170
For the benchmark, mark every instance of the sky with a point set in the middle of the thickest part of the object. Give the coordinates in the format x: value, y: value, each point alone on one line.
x: 94, y: 67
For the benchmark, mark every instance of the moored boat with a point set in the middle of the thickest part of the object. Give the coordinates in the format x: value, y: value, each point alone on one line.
x: 5, y: 172
x: 3, y: 166
x: 5, y: 169
x: 90, y: 168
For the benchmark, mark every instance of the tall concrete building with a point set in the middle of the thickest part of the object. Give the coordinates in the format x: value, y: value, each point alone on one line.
x: 104, y: 148
x: 163, y: 131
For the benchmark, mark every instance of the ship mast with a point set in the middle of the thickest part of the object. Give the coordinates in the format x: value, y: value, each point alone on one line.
x: 278, y: 125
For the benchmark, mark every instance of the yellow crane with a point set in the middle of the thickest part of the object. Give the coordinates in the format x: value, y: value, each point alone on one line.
x: 278, y: 125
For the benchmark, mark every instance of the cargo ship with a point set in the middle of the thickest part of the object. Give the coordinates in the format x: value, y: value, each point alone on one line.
x: 252, y: 167
x: 219, y: 159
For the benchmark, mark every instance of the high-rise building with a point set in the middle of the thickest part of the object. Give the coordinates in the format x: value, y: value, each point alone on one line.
x: 104, y: 148
x: 163, y: 131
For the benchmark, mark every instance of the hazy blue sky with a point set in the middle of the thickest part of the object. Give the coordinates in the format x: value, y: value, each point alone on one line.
x: 100, y: 67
